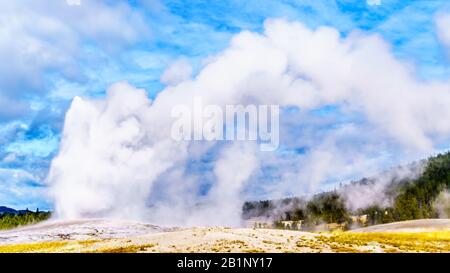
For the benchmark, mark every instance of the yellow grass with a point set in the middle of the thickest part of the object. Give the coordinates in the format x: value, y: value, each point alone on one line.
x: 47, y: 247
x: 436, y: 241
x: 125, y: 249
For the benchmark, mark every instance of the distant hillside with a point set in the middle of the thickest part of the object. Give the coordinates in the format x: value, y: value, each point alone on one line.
x: 421, y: 196
x: 6, y: 210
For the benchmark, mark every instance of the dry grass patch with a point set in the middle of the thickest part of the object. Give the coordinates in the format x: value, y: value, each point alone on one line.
x: 125, y: 249
x: 437, y: 241
x: 229, y: 246
x: 47, y: 247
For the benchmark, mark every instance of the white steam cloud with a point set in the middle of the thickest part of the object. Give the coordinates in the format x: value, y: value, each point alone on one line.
x: 117, y: 158
x: 109, y: 156
x: 442, y: 204
x: 374, y: 191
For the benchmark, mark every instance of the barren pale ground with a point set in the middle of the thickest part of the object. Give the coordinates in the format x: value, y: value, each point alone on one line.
x: 99, y: 235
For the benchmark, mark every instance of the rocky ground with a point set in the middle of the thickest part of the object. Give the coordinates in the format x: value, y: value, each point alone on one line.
x: 119, y: 236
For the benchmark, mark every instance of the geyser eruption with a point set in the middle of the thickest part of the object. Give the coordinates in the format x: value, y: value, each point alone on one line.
x: 109, y: 156
x: 113, y: 151
x: 116, y: 153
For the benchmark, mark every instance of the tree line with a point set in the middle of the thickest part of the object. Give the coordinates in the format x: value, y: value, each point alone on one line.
x: 412, y: 199
x: 8, y: 220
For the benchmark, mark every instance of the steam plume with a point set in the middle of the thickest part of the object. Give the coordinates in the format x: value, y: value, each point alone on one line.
x: 116, y: 153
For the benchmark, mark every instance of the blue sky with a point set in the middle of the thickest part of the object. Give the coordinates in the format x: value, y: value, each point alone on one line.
x: 52, y: 52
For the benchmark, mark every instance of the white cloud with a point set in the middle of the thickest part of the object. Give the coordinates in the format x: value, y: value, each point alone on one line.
x: 10, y: 108
x: 18, y: 191
x: 45, y: 35
x: 114, y: 153
x: 36, y: 147
x: 179, y: 71
x: 73, y: 2
x: 373, y: 2
x: 443, y: 28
